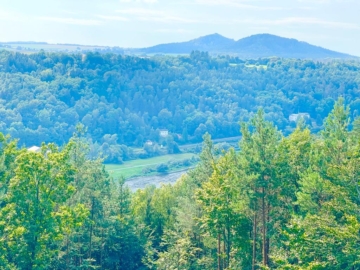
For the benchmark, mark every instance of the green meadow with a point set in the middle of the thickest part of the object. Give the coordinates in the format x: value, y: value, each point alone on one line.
x: 136, y: 167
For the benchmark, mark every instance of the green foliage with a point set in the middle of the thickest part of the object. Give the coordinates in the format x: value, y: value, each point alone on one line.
x: 35, y: 209
x: 278, y: 203
x: 125, y: 100
x: 162, y: 168
x: 225, y: 209
x: 327, y: 228
x: 144, y: 166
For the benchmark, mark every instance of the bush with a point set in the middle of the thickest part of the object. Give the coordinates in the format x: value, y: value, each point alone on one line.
x: 162, y: 168
x: 147, y: 170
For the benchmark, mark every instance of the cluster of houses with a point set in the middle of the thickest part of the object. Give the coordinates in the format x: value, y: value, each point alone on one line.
x: 163, y: 134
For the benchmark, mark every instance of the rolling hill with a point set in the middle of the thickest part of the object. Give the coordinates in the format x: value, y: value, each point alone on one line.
x: 211, y: 43
x: 252, y: 47
x: 261, y: 45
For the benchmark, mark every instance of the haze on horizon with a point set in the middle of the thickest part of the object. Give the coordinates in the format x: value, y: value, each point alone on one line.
x: 332, y: 24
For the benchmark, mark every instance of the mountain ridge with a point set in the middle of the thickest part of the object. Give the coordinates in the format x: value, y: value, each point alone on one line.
x: 254, y: 46
x: 251, y: 47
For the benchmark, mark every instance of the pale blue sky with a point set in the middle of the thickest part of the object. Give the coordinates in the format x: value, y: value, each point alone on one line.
x: 334, y: 24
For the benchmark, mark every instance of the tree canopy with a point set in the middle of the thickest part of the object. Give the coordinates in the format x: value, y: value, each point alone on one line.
x: 127, y: 100
x: 280, y: 202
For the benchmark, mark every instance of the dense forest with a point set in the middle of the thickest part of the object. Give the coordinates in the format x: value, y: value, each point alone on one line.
x: 281, y: 202
x: 124, y: 100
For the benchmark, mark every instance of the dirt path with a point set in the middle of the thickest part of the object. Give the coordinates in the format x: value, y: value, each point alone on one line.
x: 137, y: 166
x: 143, y: 181
x: 228, y: 139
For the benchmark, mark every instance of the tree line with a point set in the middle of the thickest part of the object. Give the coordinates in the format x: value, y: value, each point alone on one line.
x: 125, y: 100
x: 280, y: 202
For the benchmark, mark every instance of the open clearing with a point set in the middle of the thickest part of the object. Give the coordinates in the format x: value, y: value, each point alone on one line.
x: 142, y: 181
x: 135, y: 167
x: 258, y: 67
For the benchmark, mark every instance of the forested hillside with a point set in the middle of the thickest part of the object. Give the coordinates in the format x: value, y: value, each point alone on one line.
x: 125, y: 101
x: 279, y: 203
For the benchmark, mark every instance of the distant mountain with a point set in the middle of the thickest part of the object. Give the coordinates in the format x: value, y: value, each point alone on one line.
x: 23, y: 42
x: 261, y: 45
x: 265, y: 45
x: 214, y: 42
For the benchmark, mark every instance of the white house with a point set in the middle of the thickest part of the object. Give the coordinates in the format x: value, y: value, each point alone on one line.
x: 35, y: 149
x: 164, y: 133
x: 148, y: 142
x: 296, y: 116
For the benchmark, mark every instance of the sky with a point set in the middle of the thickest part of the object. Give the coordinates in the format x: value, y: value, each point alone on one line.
x: 333, y: 24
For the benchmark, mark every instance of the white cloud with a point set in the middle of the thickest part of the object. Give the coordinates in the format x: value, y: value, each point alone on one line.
x: 316, y: 21
x: 171, y: 30
x: 139, y: 1
x: 300, y: 21
x: 139, y: 11
x: 314, y: 1
x: 112, y: 18
x: 167, y: 19
x: 237, y: 4
x: 10, y: 16
x: 74, y: 21
x: 153, y: 15
x: 326, y: 1
x: 69, y: 12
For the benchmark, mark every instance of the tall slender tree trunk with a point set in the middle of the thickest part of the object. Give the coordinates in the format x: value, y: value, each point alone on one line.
x: 224, y: 250
x: 81, y: 251
x: 267, y: 236
x: 102, y: 246
x: 219, y: 251
x: 198, y: 245
x: 254, y: 241
x: 34, y: 243
x: 264, y: 221
x: 227, y: 232
x: 33, y: 253
x: 67, y: 252
x: 91, y: 228
x: 228, y: 245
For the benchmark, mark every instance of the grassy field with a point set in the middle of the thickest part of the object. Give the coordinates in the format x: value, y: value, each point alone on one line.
x: 257, y: 66
x: 135, y: 167
x: 250, y: 66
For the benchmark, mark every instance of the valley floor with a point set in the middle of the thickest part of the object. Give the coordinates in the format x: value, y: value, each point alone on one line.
x: 137, y: 168
x: 143, y: 181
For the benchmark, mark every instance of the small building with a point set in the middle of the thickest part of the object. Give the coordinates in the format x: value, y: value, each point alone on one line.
x: 296, y: 116
x: 35, y: 149
x: 164, y: 133
x: 149, y: 143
